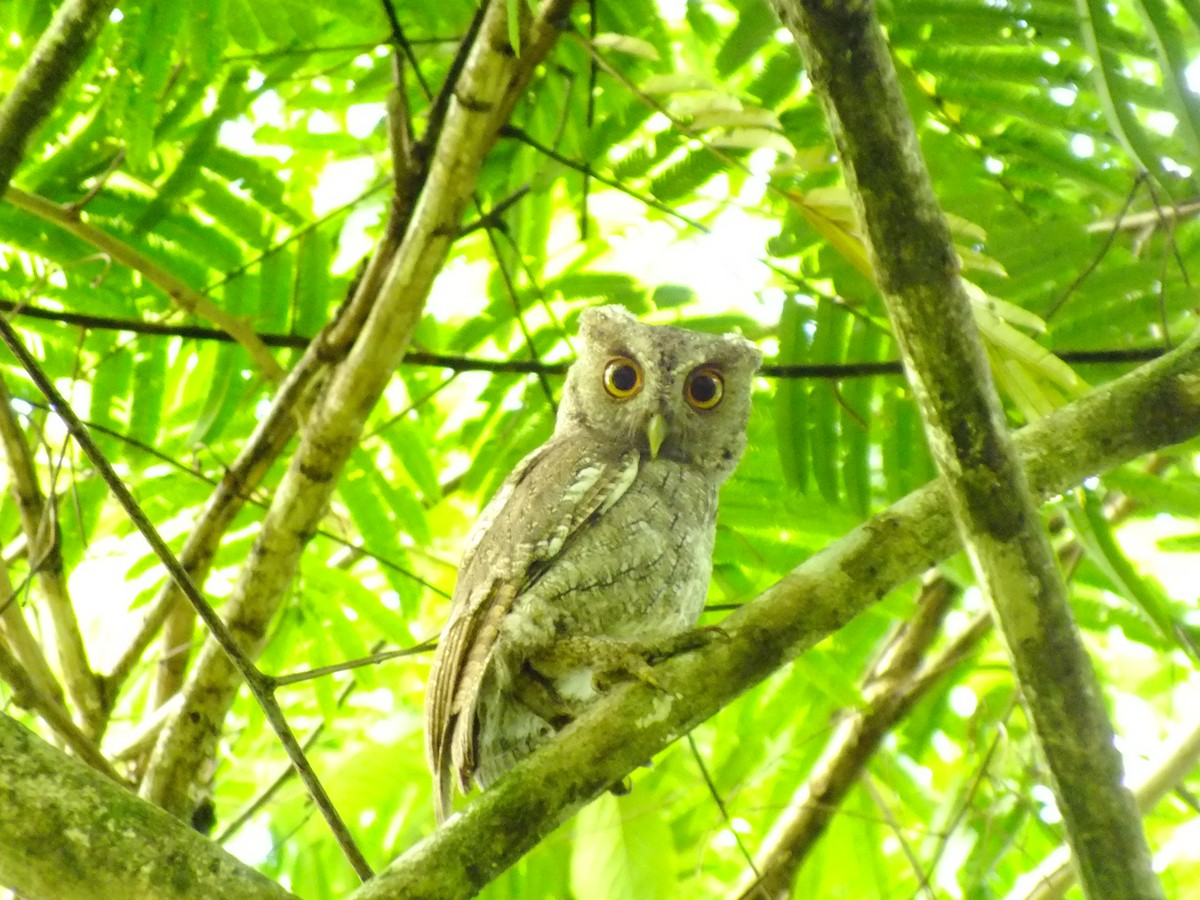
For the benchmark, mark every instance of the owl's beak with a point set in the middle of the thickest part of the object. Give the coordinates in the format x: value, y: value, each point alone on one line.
x: 656, y: 433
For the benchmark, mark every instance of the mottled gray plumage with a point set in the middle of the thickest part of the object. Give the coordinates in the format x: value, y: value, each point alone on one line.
x: 597, y: 548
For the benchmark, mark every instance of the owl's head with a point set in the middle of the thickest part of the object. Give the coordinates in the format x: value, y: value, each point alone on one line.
x: 668, y: 392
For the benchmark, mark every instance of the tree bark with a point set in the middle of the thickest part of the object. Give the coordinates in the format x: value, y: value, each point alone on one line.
x: 59, y: 53
x: 68, y: 832
x: 1152, y: 407
x: 917, y: 268
x: 493, y: 80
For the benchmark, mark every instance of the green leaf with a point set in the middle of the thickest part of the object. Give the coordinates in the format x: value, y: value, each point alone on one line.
x: 1095, y: 533
x: 622, y: 850
x: 791, y: 396
x: 149, y: 382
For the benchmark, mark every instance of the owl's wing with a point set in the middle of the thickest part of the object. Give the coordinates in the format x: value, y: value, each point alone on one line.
x: 542, y: 504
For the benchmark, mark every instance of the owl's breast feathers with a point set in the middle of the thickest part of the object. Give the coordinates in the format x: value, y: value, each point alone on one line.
x: 546, y: 500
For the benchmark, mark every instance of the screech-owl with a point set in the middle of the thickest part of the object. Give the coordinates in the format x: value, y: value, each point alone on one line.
x: 596, y: 550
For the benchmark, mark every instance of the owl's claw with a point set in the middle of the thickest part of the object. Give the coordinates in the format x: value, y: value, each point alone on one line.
x: 622, y: 787
x: 638, y: 661
x: 611, y: 660
x: 692, y: 639
x: 538, y: 695
x: 629, y: 662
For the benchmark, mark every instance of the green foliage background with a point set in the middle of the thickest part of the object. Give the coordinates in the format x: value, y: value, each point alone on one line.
x: 1061, y: 137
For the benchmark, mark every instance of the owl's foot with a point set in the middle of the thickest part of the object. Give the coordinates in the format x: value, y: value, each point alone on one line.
x: 611, y: 659
x: 627, y: 661
x: 536, y: 693
x: 639, y: 659
x: 692, y: 639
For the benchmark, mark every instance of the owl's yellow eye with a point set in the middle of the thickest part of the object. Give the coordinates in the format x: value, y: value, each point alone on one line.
x: 622, y: 377
x: 704, y: 388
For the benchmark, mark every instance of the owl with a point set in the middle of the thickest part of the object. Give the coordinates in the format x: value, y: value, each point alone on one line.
x: 596, y: 552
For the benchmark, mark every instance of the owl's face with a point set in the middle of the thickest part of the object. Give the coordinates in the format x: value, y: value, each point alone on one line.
x: 668, y: 392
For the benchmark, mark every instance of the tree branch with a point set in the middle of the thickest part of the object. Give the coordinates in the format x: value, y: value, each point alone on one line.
x: 457, y: 363
x: 493, y: 79
x: 70, y: 833
x: 222, y: 635
x: 60, y: 51
x: 187, y: 298
x: 916, y: 266
x: 40, y: 524
x: 1152, y: 407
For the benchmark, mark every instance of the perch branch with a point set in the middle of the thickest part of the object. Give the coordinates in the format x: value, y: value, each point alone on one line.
x: 1152, y: 407
x: 70, y: 833
x: 913, y: 256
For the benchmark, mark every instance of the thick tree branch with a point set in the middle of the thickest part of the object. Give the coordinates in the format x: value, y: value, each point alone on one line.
x: 69, y: 833
x: 1053, y: 877
x: 60, y: 51
x: 911, y: 250
x: 1152, y: 407
x: 493, y: 79
x: 222, y: 635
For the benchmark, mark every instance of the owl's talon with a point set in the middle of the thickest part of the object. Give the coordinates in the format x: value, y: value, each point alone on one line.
x: 632, y: 665
x: 692, y: 639
x: 622, y: 787
x: 539, y: 696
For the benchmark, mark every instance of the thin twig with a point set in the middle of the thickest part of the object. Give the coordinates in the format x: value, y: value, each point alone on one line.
x: 890, y: 820
x: 39, y: 522
x: 720, y: 801
x: 519, y: 314
x: 457, y: 363
x: 1109, y: 239
x: 349, y: 665
x: 259, y: 687
x: 188, y: 298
